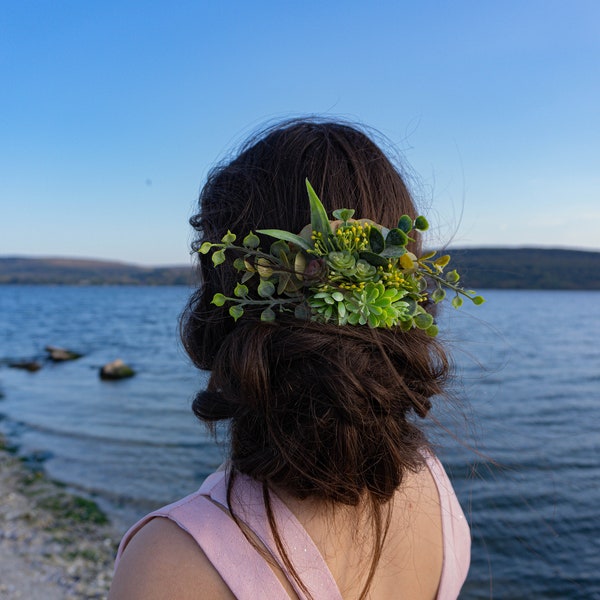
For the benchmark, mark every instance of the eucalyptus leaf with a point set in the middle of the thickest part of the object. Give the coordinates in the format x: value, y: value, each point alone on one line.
x: 218, y: 257
x: 236, y: 311
x: 228, y: 238
x: 452, y: 276
x: 267, y: 315
x: 265, y: 288
x: 423, y: 320
x: 457, y: 301
x: 438, y: 295
x: 251, y: 241
x: 218, y: 299
x: 432, y: 330
x: 241, y: 291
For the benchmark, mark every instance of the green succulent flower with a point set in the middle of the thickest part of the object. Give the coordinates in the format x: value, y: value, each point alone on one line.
x: 376, y: 306
x: 364, y: 271
x: 329, y: 305
x: 342, y: 261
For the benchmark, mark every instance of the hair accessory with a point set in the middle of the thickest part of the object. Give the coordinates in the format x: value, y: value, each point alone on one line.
x: 344, y: 271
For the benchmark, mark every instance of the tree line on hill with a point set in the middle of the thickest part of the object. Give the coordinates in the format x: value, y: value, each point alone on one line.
x: 481, y: 268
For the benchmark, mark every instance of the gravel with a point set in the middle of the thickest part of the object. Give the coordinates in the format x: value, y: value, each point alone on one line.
x: 52, y: 544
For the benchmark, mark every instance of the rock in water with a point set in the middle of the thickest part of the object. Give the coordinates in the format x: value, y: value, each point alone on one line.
x: 61, y: 354
x: 28, y: 365
x: 116, y: 369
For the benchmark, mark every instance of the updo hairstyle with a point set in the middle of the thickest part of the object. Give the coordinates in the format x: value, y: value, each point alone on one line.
x: 317, y: 410
x: 320, y: 411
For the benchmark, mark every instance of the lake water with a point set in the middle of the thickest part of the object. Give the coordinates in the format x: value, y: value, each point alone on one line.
x: 523, y: 446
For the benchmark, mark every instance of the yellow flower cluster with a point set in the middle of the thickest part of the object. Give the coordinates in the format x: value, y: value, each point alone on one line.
x: 355, y: 237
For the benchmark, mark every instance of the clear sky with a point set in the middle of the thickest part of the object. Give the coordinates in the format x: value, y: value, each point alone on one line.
x: 111, y: 112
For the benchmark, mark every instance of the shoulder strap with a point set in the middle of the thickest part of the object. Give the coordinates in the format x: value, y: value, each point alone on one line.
x: 242, y: 568
x: 248, y: 503
x: 455, y: 532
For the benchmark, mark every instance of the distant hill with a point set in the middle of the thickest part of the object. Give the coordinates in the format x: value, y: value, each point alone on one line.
x: 73, y: 271
x: 481, y: 268
x: 527, y: 268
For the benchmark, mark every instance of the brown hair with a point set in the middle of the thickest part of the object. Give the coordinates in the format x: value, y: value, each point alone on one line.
x: 317, y: 410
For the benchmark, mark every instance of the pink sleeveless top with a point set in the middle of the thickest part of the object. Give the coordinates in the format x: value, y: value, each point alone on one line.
x: 247, y: 573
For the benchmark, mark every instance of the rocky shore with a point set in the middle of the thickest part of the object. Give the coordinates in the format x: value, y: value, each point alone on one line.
x: 53, y: 545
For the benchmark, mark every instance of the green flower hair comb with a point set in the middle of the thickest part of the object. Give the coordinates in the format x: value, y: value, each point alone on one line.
x: 345, y: 272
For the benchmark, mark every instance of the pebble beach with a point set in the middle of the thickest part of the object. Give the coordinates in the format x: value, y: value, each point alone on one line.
x: 53, y: 545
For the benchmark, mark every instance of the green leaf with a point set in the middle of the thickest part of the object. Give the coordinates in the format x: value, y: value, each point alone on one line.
x: 432, y: 330
x: 280, y: 249
x: 421, y: 223
x: 442, y: 261
x: 411, y: 306
x: 452, y: 276
x: 287, y: 237
x: 423, y: 320
x: 239, y: 264
x: 228, y: 238
x: 405, y: 224
x: 477, y: 300
x: 457, y: 301
x: 376, y: 240
x: 205, y: 248
x: 236, y: 311
x: 218, y: 257
x: 241, y: 291
x: 393, y: 251
x: 251, y: 241
x: 265, y: 288
x: 267, y: 315
x: 218, y: 300
x: 319, y: 220
x: 373, y: 259
x: 438, y: 295
x: 396, y: 237
x: 343, y: 214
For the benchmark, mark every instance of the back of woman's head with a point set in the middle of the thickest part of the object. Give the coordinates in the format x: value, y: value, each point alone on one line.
x: 317, y: 409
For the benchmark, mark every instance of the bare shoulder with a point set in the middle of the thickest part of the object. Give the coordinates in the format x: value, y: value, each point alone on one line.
x: 162, y: 561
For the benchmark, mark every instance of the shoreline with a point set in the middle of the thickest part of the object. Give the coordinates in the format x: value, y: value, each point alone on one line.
x: 53, y: 544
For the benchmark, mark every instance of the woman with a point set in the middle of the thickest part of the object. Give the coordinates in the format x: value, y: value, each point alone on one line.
x: 331, y: 490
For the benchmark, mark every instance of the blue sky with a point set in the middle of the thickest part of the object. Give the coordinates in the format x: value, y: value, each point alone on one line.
x: 111, y: 113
